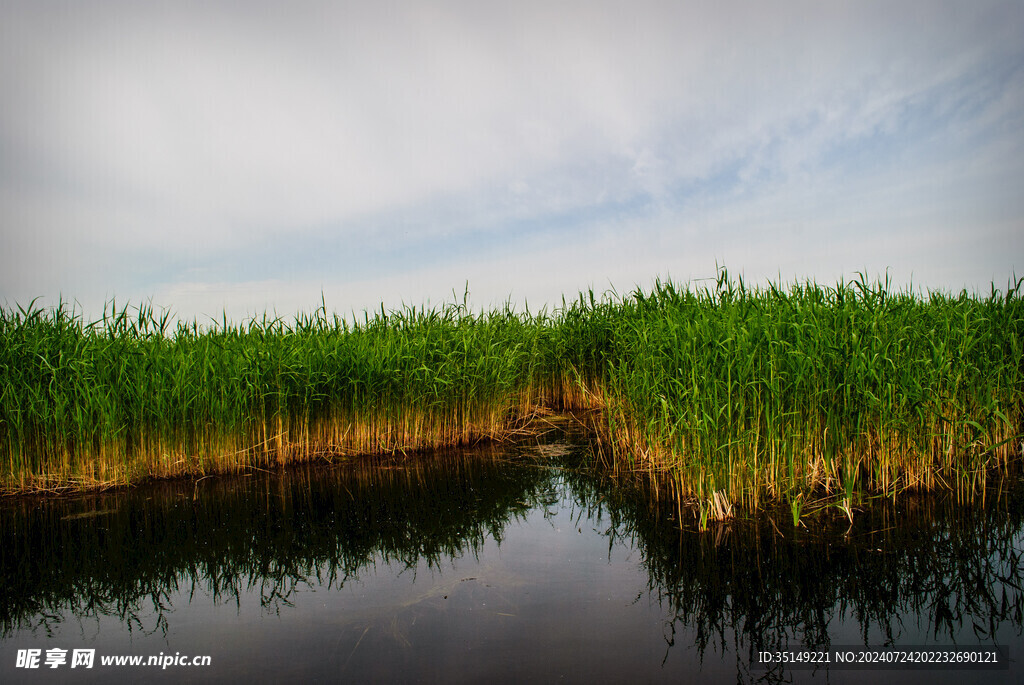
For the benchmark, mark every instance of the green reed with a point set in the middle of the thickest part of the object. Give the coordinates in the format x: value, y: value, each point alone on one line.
x: 849, y: 390
x: 787, y: 393
x: 128, y: 397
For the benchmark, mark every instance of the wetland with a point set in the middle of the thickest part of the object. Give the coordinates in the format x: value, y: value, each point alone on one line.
x: 735, y: 473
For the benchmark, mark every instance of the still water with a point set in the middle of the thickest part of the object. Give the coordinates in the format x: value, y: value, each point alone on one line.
x: 512, y: 565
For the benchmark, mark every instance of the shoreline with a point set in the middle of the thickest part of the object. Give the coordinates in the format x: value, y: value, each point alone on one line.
x: 729, y: 396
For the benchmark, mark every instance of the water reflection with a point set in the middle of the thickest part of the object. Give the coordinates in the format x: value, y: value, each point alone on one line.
x: 111, y: 554
x: 922, y: 571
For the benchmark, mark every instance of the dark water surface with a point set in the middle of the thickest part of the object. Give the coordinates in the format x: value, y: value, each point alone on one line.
x: 513, y: 565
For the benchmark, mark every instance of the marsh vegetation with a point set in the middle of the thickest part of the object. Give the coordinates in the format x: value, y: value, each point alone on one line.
x: 723, y: 395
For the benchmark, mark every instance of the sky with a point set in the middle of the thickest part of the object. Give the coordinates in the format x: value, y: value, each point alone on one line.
x: 235, y: 158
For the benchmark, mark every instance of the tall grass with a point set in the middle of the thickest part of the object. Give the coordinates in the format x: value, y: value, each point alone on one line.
x: 844, y: 390
x: 127, y: 397
x: 781, y: 393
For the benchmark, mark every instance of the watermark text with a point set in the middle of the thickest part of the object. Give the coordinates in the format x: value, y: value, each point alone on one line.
x: 86, y: 658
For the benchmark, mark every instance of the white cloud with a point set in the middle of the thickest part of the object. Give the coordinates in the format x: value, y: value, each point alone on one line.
x: 145, y: 143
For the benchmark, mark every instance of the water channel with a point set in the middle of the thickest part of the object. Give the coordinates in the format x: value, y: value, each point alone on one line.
x: 515, y: 563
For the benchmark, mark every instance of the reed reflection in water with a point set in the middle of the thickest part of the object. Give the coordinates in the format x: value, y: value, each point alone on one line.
x: 518, y: 563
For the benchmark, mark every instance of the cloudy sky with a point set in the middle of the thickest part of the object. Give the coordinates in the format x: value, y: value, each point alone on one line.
x: 243, y: 157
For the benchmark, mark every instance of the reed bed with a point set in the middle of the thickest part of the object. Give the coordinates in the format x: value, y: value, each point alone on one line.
x: 725, y: 394
x: 841, y: 391
x: 126, y: 397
